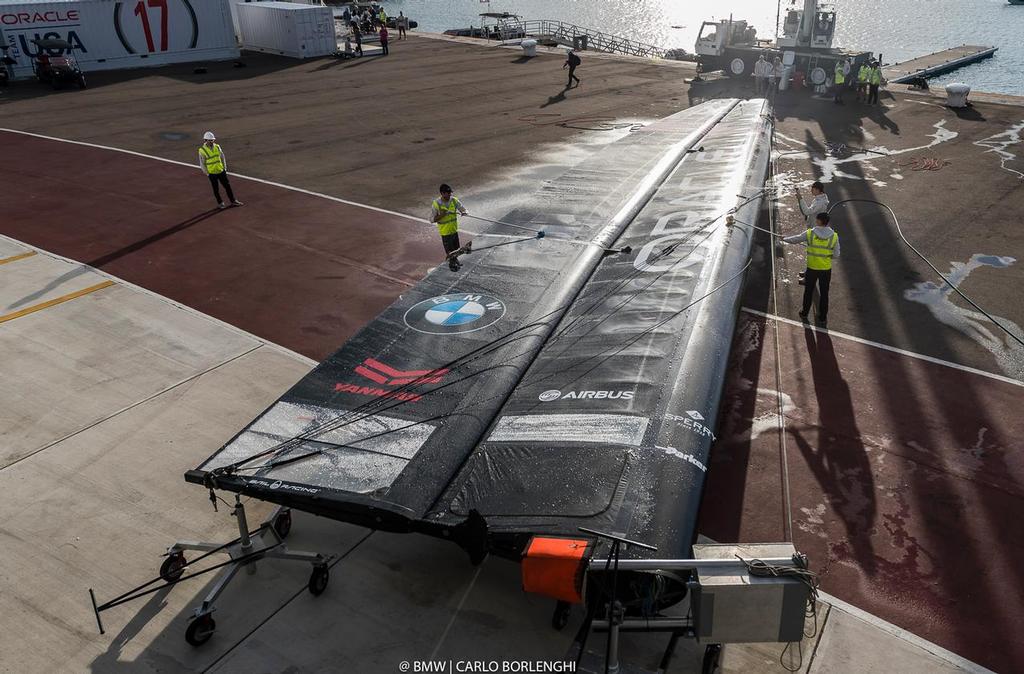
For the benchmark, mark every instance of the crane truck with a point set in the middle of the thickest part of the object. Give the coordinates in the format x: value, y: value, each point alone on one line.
x: 804, y: 46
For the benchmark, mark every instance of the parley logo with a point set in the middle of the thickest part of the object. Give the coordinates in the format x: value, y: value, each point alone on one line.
x: 549, y: 396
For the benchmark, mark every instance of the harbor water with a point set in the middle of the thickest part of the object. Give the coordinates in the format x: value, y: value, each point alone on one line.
x: 898, y: 29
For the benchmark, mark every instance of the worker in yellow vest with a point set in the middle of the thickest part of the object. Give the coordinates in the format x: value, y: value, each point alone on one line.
x: 839, y: 81
x: 444, y: 212
x: 862, y: 82
x: 215, y: 166
x: 822, y: 244
x: 874, y: 81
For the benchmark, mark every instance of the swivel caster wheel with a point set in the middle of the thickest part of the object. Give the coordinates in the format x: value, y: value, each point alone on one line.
x: 318, y: 580
x: 560, y: 618
x: 712, y: 658
x: 283, y: 523
x: 173, y: 566
x: 200, y: 630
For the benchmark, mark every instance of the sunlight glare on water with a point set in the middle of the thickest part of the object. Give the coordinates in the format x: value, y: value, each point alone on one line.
x: 898, y: 29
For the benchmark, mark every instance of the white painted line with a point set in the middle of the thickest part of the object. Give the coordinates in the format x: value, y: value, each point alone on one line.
x: 903, y: 635
x: 233, y: 175
x: 886, y: 347
x: 238, y: 331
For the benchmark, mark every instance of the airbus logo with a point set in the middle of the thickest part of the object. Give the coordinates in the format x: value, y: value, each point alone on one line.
x: 549, y: 396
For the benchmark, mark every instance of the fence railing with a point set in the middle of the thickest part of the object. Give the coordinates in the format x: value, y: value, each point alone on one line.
x: 578, y: 37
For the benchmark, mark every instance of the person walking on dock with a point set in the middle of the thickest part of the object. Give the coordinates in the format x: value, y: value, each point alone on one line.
x: 384, y: 39
x: 358, y: 35
x: 817, y: 204
x: 822, y: 244
x: 810, y: 209
x: 839, y: 81
x: 862, y: 82
x: 760, y: 75
x: 402, y: 23
x: 215, y: 166
x: 444, y: 212
x: 874, y: 81
x: 776, y: 76
x: 571, y: 62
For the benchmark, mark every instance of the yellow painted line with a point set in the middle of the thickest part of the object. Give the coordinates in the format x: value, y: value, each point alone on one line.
x: 58, y: 300
x: 15, y: 258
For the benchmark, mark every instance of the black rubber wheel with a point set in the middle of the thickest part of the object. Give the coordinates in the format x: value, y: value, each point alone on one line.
x: 560, y: 618
x: 712, y: 656
x: 283, y: 523
x: 200, y: 630
x: 173, y: 566
x: 318, y: 580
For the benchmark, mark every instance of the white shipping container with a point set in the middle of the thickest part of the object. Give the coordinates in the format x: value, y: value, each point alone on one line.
x: 287, y: 29
x: 111, y: 34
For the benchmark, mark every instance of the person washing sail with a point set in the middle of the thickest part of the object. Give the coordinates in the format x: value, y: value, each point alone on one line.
x: 444, y: 212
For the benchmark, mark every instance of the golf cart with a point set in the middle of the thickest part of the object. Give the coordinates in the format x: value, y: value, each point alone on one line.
x: 57, y: 70
x: 5, y: 65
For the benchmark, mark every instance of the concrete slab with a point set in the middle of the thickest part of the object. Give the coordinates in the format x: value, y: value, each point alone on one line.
x: 9, y: 249
x: 848, y: 644
x: 96, y: 510
x: 39, y: 279
x: 93, y: 356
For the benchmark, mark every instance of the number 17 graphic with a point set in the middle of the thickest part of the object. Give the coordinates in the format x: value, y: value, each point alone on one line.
x: 140, y: 11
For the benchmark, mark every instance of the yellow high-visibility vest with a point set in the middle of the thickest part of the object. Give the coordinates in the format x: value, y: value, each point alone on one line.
x: 875, y: 76
x: 819, y: 251
x: 839, y: 74
x: 212, y: 158
x: 449, y: 221
x: 862, y: 74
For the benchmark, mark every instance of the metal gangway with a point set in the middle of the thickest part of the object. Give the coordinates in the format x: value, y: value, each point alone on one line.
x: 570, y: 35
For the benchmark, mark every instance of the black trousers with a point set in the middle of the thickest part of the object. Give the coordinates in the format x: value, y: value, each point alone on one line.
x: 820, y: 278
x: 451, y: 244
x: 384, y: 47
x: 221, y: 178
x: 572, y: 76
x: 873, y: 95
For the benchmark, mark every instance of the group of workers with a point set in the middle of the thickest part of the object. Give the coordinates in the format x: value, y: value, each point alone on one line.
x: 819, y: 239
x: 767, y: 75
x: 866, y: 81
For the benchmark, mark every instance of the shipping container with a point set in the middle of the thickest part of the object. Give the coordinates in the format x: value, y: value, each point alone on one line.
x: 288, y: 29
x: 111, y: 34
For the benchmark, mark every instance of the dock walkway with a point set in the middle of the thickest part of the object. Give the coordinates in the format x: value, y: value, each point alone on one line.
x: 937, y: 63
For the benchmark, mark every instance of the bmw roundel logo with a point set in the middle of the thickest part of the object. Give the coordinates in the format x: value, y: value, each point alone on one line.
x: 452, y: 314
x: 548, y: 396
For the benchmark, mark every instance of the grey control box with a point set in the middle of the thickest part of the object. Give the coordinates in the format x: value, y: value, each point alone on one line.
x: 731, y: 606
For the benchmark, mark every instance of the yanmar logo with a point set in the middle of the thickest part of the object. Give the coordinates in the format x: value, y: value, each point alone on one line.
x: 549, y: 396
x: 378, y: 372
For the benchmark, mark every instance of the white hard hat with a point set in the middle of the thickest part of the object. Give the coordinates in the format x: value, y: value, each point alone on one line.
x: 209, y: 136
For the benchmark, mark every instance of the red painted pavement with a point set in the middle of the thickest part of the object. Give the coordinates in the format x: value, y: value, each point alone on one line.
x: 907, y: 477
x: 298, y: 270
x: 906, y: 481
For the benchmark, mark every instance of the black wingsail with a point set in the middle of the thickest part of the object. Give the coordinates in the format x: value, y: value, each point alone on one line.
x: 611, y: 426
x: 376, y: 433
